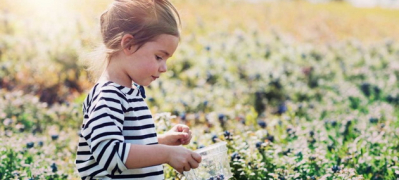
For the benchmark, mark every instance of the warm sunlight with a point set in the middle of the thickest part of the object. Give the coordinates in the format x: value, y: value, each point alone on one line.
x: 258, y: 89
x: 38, y: 8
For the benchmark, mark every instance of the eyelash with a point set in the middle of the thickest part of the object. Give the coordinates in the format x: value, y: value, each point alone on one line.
x: 158, y: 58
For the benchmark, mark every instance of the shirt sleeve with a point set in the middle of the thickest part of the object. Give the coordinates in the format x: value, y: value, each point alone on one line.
x: 103, y: 132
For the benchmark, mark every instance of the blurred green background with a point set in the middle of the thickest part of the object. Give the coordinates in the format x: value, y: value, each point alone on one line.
x: 298, y: 89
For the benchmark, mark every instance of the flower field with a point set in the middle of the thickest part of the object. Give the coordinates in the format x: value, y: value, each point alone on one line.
x: 297, y: 90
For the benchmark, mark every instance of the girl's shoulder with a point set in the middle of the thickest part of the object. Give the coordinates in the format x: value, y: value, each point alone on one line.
x: 109, y: 87
x: 107, y: 91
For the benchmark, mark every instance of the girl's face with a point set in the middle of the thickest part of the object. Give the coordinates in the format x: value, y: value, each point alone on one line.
x: 149, y: 62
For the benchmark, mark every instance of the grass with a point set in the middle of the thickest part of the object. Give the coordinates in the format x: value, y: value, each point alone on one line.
x: 300, y: 20
x: 238, y: 64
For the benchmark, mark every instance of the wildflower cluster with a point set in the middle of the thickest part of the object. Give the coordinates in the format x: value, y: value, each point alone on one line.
x: 286, y: 111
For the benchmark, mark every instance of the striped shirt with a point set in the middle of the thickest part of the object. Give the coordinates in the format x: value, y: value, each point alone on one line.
x: 115, y: 116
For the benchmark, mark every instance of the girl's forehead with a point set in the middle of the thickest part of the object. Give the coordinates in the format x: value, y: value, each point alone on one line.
x: 165, y: 37
x: 164, y: 43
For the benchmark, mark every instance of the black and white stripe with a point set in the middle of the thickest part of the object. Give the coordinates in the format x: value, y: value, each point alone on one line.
x: 114, y: 117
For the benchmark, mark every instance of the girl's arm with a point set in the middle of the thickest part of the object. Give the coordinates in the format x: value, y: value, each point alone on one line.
x: 178, y: 157
x: 105, y: 141
x: 102, y: 130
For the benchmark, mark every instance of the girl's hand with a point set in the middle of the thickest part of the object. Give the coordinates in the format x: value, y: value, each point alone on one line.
x: 179, y: 135
x: 183, y: 159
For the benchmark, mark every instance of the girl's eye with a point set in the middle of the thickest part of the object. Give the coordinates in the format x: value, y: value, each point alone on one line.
x: 158, y: 58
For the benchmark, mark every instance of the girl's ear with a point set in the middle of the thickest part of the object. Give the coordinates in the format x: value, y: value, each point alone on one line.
x: 126, y: 44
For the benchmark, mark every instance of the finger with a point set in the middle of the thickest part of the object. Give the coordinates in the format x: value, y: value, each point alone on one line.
x: 181, y: 135
x: 181, y: 127
x: 185, y: 168
x: 179, y: 138
x: 178, y: 134
x: 184, y: 142
x: 197, y: 157
x: 189, y: 136
x: 185, y: 129
x: 188, y: 139
x: 193, y: 163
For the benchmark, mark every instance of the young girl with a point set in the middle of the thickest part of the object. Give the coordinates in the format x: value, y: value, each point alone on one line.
x: 118, y: 138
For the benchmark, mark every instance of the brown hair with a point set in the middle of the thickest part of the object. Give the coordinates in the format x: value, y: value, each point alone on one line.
x: 144, y: 19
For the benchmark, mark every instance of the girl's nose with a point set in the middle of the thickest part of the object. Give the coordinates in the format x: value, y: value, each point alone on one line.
x: 163, y: 68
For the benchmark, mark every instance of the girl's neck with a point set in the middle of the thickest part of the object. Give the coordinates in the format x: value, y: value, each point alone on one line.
x: 112, y: 73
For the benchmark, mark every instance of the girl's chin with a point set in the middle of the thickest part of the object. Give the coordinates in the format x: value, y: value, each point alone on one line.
x: 145, y: 84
